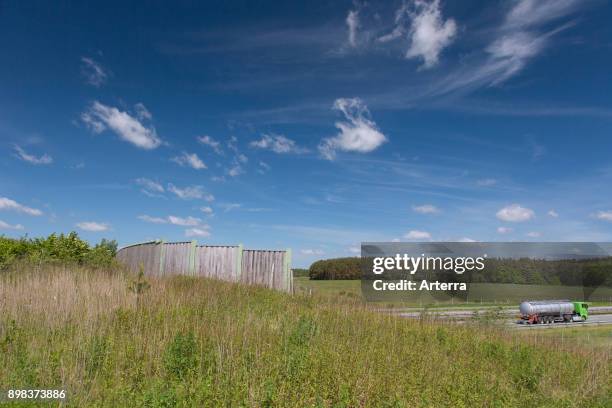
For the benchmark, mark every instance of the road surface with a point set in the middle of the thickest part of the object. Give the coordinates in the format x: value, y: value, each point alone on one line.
x: 598, y: 315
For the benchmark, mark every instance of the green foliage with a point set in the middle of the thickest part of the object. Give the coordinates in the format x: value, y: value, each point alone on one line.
x: 300, y: 272
x: 569, y: 272
x: 206, y: 343
x: 66, y: 249
x: 338, y: 268
x: 181, y: 355
x: 139, y: 285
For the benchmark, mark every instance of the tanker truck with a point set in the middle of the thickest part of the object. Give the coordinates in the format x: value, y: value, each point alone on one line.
x: 553, y: 311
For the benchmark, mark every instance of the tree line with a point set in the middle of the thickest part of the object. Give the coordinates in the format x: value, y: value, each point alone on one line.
x: 570, y: 272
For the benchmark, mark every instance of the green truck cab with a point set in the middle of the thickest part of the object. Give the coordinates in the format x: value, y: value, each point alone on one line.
x: 581, y: 309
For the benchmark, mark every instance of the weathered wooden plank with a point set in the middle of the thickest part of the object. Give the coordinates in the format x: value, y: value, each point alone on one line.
x: 231, y: 263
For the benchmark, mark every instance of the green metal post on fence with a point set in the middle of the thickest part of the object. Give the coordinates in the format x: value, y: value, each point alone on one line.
x: 192, y: 257
x: 287, y: 269
x: 162, y: 257
x: 239, y: 263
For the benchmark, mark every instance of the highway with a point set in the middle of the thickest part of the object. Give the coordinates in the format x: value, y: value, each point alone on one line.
x: 598, y: 315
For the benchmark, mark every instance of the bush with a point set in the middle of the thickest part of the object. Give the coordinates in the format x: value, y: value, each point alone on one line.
x: 339, y: 268
x: 68, y: 249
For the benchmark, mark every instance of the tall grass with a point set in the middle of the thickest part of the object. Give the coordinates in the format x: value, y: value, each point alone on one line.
x: 196, y: 342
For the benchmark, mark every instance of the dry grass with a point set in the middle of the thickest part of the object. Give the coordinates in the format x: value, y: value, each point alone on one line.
x: 195, y: 342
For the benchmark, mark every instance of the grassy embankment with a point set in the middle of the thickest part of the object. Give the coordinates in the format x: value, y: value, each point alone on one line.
x: 195, y: 342
x: 480, y: 293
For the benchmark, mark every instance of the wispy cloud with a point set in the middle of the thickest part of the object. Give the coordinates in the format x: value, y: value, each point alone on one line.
x: 142, y: 112
x: 197, y: 232
x: 604, y: 215
x: 504, y: 230
x: 174, y: 220
x: 184, y: 222
x: 207, y: 210
x: 93, y: 72
x: 515, y: 213
x: 30, y: 158
x: 230, y: 206
x: 426, y: 209
x: 8, y: 204
x: 553, y: 213
x: 277, y: 144
x: 153, y: 220
x: 99, y: 117
x: 189, y: 160
x: 150, y: 187
x: 358, y: 134
x: 263, y: 167
x: 212, y: 143
x: 352, y: 22
x: 416, y: 235
x: 311, y: 252
x: 488, y: 182
x: 6, y: 226
x: 520, y: 37
x: 92, y: 226
x: 190, y: 192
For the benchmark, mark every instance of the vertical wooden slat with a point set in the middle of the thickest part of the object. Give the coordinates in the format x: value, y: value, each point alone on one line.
x: 232, y: 263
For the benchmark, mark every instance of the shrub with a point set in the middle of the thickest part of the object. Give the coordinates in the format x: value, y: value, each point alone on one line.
x: 339, y: 268
x: 66, y: 249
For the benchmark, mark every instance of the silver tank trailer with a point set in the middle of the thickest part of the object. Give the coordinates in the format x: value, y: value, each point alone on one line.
x: 547, y: 307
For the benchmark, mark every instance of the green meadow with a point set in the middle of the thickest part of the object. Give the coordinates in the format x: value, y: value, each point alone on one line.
x: 112, y: 340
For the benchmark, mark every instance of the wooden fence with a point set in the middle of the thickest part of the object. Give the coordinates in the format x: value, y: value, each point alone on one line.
x: 271, y: 269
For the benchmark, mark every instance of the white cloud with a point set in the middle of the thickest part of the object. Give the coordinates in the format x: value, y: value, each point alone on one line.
x: 190, y: 193
x: 416, y: 234
x: 99, y: 117
x: 354, y: 250
x: 230, y: 206
x: 173, y: 219
x: 190, y: 160
x: 150, y: 187
x: 359, y: 134
x: 8, y: 204
x: 515, y: 213
x: 504, y: 230
x: 312, y: 252
x: 142, y: 112
x: 93, y: 72
x: 263, y: 167
x: 604, y: 215
x: 92, y: 226
x: 23, y: 155
x: 4, y: 225
x: 206, y: 210
x: 429, y: 34
x: 212, y: 143
x: 486, y: 182
x: 235, y: 170
x: 197, y: 232
x: 184, y: 222
x: 522, y: 35
x: 533, y: 234
x: 278, y: 144
x: 466, y: 239
x: 153, y: 220
x: 553, y: 213
x: 426, y: 209
x: 352, y: 22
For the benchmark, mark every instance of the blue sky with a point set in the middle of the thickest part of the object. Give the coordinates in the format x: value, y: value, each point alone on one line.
x: 313, y: 126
